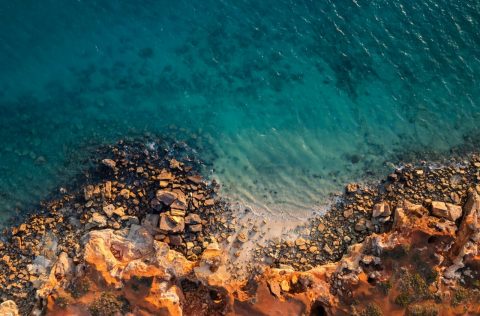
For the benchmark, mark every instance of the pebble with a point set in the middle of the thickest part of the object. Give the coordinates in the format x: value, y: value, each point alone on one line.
x: 300, y: 242
x: 321, y: 227
x: 348, y: 213
x: 242, y: 237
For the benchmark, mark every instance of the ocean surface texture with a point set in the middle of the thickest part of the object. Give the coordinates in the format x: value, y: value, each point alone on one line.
x: 286, y: 100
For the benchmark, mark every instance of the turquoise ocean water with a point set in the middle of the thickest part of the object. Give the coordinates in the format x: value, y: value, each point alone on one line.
x: 286, y: 100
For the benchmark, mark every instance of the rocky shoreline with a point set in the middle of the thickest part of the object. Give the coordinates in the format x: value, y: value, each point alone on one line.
x: 145, y: 234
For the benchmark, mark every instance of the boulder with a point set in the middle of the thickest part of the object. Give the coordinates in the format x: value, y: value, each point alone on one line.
x: 165, y: 176
x: 125, y: 193
x: 175, y: 240
x: 211, y: 268
x: 175, y: 164
x: 109, y: 251
x: 285, y: 286
x: 468, y: 236
x: 274, y: 287
x: 119, y: 211
x: 361, y: 226
x: 63, y: 268
x: 381, y: 209
x: 300, y: 242
x: 179, y: 205
x: 348, y: 213
x: 9, y: 308
x: 97, y: 220
x: 193, y: 219
x: 446, y: 210
x: 242, y: 237
x: 166, y: 197
x: 197, y: 179
x: 321, y: 227
x: 59, y: 277
x: 172, y: 224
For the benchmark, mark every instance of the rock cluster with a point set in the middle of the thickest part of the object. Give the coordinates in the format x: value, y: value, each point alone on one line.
x: 168, y: 197
x: 135, y: 186
x: 146, y: 235
x: 363, y: 210
x: 425, y: 265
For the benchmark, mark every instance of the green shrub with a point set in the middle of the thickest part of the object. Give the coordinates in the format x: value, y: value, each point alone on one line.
x: 459, y: 295
x: 422, y: 310
x: 385, y: 286
x: 108, y: 304
x: 372, y: 309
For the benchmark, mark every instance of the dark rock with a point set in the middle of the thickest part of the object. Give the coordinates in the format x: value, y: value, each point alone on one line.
x: 175, y: 240
x: 156, y: 204
x: 177, y: 204
x: 166, y: 197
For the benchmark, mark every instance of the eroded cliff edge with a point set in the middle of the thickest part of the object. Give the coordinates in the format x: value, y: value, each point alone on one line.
x: 146, y: 235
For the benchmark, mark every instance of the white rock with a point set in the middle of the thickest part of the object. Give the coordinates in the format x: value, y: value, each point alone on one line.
x: 8, y: 308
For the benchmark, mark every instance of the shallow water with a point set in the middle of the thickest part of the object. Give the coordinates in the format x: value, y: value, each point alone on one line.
x: 286, y: 100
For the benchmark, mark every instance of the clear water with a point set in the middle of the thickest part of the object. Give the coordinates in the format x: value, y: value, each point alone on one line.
x: 287, y: 100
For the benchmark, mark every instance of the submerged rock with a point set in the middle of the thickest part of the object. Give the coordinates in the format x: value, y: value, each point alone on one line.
x: 109, y: 163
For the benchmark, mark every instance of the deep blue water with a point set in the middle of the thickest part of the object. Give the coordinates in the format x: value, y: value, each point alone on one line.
x: 287, y: 100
